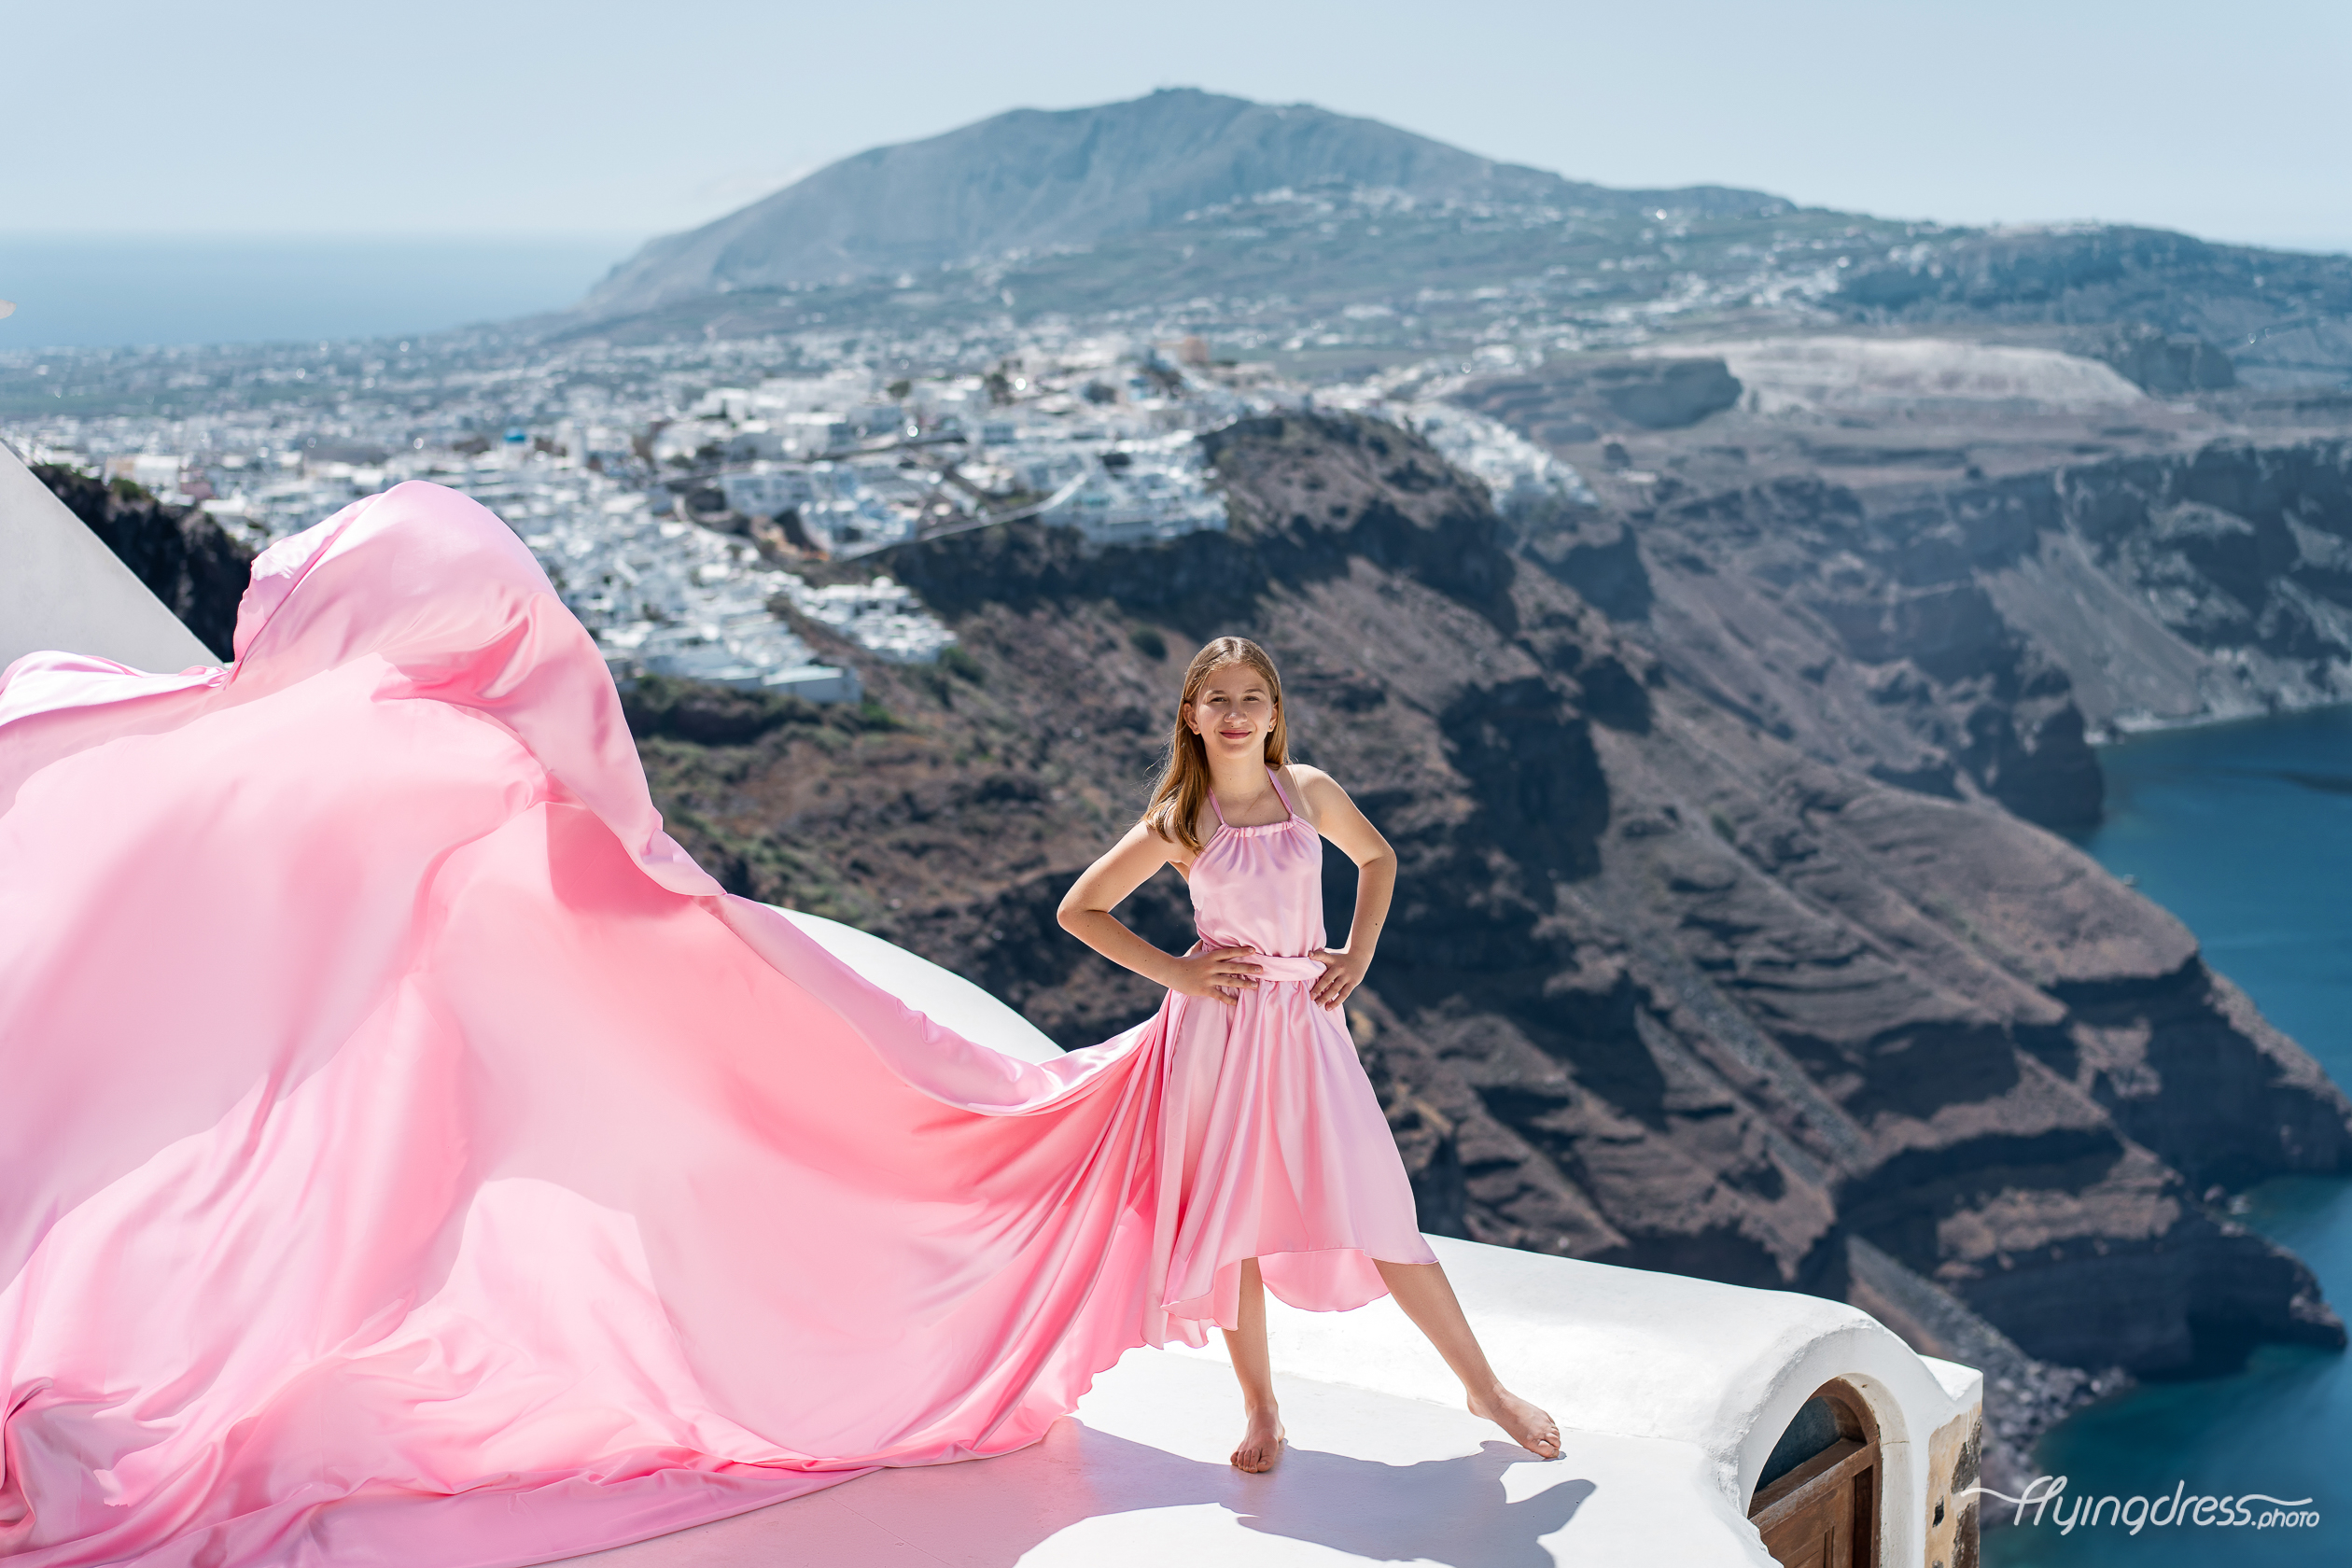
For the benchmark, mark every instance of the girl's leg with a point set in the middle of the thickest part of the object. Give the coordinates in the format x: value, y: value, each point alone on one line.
x: 1262, y: 1440
x: 1422, y: 1289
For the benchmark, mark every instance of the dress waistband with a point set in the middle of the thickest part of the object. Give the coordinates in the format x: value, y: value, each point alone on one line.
x: 1277, y: 970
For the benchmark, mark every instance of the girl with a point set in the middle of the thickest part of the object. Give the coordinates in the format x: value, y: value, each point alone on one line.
x: 1289, y: 1175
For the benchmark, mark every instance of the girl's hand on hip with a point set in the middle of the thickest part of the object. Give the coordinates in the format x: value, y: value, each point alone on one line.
x: 1343, y: 971
x: 1220, y: 972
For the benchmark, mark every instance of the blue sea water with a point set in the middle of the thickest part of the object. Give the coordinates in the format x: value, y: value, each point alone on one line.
x: 118, y: 290
x: 2244, y: 831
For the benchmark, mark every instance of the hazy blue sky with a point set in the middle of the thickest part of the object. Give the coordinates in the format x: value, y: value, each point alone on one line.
x: 590, y: 118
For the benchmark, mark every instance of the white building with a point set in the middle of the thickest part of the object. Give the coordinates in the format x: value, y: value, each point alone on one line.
x: 768, y: 489
x: 1518, y: 474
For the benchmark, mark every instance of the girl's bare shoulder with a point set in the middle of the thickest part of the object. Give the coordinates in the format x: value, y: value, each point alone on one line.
x: 1311, y: 787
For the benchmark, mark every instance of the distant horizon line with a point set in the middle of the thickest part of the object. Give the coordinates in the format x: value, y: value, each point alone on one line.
x: 628, y: 239
x: 581, y: 236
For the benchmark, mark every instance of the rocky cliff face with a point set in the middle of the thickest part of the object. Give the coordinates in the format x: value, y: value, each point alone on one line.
x: 1957, y: 607
x: 1672, y: 981
x: 1663, y: 987
x: 184, y: 557
x: 2289, y: 314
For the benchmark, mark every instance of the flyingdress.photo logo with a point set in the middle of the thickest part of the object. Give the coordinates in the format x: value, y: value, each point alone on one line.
x: 2252, y: 1510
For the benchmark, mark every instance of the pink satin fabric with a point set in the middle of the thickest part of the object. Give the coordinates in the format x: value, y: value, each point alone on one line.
x: 409, y: 1156
x: 1282, y: 1139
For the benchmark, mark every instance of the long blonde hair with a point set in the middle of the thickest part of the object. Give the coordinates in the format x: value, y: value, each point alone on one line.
x: 1183, y: 789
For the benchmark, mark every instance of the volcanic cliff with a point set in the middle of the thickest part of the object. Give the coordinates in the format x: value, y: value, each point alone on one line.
x: 1955, y: 592
x: 1664, y: 986
x: 1673, y: 980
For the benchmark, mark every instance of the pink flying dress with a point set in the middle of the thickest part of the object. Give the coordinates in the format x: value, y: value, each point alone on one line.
x: 409, y: 1156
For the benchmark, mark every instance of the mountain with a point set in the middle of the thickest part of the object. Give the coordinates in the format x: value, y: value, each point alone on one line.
x: 1036, y: 180
x: 1339, y: 246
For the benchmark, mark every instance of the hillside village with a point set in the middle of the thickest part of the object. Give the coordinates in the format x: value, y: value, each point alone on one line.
x: 689, y: 508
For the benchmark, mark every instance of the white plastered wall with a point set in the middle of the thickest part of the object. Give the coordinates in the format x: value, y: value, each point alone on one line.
x: 61, y: 588
x: 1720, y: 1367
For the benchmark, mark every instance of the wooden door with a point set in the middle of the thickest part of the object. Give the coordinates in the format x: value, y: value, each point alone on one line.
x: 1822, y: 1512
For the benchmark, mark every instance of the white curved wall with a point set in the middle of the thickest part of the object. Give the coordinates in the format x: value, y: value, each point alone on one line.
x: 1719, y: 1367
x: 64, y: 590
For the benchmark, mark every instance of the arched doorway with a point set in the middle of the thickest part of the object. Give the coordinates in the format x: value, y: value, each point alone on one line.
x: 1817, y: 1503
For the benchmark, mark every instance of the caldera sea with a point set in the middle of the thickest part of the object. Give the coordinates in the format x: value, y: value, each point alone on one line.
x: 2244, y: 831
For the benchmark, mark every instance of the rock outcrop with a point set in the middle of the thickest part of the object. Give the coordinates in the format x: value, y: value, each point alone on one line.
x: 1600, y: 394
x: 2291, y: 314
x: 1959, y: 606
x: 2164, y: 363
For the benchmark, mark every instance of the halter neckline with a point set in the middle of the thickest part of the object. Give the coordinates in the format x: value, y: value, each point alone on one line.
x: 1280, y: 793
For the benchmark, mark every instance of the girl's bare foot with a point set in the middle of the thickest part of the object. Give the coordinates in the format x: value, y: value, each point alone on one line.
x: 1261, y: 1444
x: 1528, y: 1426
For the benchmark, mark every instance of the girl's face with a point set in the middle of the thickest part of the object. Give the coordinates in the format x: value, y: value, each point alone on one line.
x: 1232, y: 712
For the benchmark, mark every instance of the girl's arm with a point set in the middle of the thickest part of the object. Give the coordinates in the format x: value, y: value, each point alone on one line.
x: 1085, y: 914
x: 1337, y: 818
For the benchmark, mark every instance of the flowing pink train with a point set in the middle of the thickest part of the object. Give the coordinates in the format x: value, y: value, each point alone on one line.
x: 409, y: 1155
